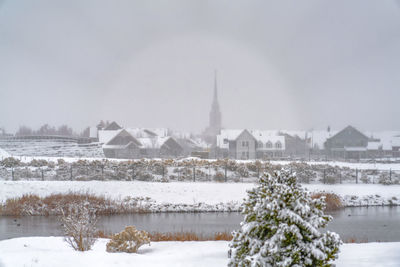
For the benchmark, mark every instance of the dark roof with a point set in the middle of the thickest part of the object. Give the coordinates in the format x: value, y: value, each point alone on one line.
x: 113, y: 126
x: 123, y: 138
x: 349, y: 128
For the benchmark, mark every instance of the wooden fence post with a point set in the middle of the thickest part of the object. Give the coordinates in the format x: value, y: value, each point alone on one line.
x: 226, y: 172
x: 356, y: 176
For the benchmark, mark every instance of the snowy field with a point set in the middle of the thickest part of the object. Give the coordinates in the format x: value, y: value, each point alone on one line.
x: 52, y: 251
x: 191, y: 193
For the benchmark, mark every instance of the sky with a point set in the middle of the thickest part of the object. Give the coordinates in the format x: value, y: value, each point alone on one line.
x: 281, y: 64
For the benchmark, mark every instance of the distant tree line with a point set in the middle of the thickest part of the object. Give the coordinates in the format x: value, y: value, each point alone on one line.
x: 47, y: 129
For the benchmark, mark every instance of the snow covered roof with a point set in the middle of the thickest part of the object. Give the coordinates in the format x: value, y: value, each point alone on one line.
x: 387, y: 139
x: 374, y: 145
x: 269, y: 136
x: 231, y: 134
x: 148, y: 132
x: 227, y: 135
x: 106, y: 136
x: 155, y: 142
x: 318, y: 138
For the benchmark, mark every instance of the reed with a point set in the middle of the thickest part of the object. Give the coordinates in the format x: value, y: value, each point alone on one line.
x: 333, y: 201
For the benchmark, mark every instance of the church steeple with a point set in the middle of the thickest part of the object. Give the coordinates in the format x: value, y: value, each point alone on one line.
x: 215, y: 113
x: 215, y: 88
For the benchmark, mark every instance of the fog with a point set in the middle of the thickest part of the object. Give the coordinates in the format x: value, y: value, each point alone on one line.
x: 281, y: 64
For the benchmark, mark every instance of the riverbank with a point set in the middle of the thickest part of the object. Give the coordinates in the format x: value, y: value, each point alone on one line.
x: 53, y: 251
x: 188, y: 196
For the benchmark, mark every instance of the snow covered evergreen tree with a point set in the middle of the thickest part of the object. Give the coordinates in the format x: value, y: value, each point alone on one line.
x: 281, y: 227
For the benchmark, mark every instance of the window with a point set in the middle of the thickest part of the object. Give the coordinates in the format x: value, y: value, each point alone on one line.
x: 268, y: 144
x: 278, y: 145
x: 245, y: 143
x: 260, y: 144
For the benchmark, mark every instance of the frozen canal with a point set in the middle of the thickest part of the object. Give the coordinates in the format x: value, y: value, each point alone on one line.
x: 363, y: 224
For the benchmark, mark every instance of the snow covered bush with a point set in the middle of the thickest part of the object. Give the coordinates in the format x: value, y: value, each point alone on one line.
x: 281, y: 227
x: 79, y: 222
x: 129, y: 240
x: 386, y: 179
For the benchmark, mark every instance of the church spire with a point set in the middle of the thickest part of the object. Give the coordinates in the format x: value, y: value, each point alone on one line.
x: 215, y: 113
x: 215, y: 87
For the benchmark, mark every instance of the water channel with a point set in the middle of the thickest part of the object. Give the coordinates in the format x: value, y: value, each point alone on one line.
x: 361, y: 223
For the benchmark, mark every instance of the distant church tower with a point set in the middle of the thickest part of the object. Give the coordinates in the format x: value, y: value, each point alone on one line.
x: 214, y: 127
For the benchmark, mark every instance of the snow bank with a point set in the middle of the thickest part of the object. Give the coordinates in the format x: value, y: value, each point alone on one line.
x: 52, y: 251
x: 4, y: 154
x: 189, y: 193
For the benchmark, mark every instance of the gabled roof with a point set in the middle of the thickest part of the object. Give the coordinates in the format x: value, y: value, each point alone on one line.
x: 154, y: 143
x: 228, y: 135
x: 349, y: 128
x: 113, y: 126
x: 123, y: 138
x: 268, y: 136
x: 106, y: 136
x: 151, y: 143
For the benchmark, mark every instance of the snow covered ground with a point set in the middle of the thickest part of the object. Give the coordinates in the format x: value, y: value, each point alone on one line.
x: 4, y: 154
x: 192, y: 193
x: 52, y: 251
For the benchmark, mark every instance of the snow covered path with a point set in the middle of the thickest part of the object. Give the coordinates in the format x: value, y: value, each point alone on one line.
x: 189, y: 192
x: 52, y: 251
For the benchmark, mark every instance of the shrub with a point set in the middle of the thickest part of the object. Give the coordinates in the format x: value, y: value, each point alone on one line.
x: 79, y: 222
x: 332, y: 201
x: 219, y: 177
x: 281, y: 227
x: 129, y: 240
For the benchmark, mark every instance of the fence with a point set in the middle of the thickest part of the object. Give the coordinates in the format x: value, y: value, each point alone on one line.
x: 195, y: 171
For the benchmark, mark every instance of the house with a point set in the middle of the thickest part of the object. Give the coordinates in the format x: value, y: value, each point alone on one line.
x: 138, y: 143
x: 269, y: 144
x: 122, y: 145
x: 159, y: 147
x: 194, y: 147
x: 236, y: 144
x: 349, y: 143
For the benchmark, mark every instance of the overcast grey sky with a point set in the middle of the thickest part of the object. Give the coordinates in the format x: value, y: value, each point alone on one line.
x: 281, y: 64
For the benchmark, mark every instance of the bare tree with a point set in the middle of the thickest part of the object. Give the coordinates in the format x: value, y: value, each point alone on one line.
x: 79, y: 222
x: 64, y: 130
x: 24, y: 130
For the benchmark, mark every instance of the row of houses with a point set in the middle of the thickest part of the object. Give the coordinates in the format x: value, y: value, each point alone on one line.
x: 348, y: 143
x: 131, y: 143
x: 259, y: 144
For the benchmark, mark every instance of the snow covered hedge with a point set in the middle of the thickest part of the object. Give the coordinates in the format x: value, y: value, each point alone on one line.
x: 190, y: 169
x: 281, y: 227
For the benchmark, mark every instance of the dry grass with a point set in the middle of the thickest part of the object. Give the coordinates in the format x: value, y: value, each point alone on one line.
x: 15, y: 206
x: 354, y: 240
x: 333, y: 201
x: 51, y: 205
x: 178, y: 236
x: 189, y: 236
